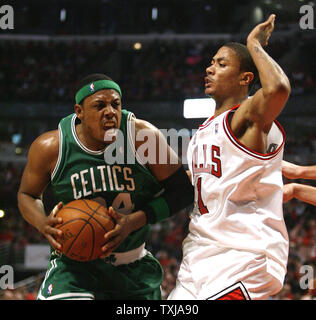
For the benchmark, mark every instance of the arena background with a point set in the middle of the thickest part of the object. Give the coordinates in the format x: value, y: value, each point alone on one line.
x: 157, y: 50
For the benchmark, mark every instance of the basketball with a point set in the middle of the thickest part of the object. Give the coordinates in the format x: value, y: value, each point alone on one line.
x: 84, y: 224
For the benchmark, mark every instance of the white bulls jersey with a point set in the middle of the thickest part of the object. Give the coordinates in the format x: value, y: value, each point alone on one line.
x: 237, y: 219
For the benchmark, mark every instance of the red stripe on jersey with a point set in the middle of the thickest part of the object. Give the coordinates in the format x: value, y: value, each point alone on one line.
x: 233, y: 295
x: 206, y: 123
x: 236, y: 291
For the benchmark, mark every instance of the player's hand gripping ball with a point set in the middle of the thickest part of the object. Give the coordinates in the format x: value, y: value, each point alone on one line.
x: 84, y: 224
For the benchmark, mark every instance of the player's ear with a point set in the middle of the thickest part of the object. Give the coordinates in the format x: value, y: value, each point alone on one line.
x: 246, y: 78
x: 78, y: 110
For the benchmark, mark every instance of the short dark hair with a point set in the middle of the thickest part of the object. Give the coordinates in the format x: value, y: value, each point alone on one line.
x: 245, y: 59
x: 91, y: 78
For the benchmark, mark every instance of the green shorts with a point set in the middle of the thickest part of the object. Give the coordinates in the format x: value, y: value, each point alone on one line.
x: 99, y: 280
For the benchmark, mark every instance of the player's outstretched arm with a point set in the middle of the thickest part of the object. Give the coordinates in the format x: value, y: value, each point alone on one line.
x: 267, y: 103
x: 294, y: 171
x: 42, y: 157
x: 301, y: 192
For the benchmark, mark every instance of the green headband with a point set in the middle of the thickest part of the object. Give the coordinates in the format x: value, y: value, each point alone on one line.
x: 95, y: 86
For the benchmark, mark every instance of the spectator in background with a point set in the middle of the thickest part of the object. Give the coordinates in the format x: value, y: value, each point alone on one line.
x: 40, y: 76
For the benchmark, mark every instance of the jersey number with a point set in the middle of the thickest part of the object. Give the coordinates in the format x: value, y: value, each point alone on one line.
x: 202, y: 207
x: 216, y: 170
x: 122, y: 203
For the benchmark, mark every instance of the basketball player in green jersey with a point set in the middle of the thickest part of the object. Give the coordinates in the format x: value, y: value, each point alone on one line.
x: 94, y: 154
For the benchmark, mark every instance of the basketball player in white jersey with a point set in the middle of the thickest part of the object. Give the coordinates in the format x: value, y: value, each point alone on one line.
x: 302, y: 192
x: 237, y: 246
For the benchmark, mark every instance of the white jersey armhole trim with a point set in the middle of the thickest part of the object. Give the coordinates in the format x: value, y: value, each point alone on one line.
x: 130, y: 135
x: 60, y: 134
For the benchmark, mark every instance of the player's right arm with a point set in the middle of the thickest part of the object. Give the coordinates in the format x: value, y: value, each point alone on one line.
x: 253, y: 119
x: 42, y: 158
x: 294, y: 171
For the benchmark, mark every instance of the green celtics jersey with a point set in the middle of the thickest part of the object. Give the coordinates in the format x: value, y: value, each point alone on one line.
x: 83, y: 173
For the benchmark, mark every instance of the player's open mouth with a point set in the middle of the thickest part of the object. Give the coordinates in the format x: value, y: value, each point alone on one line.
x: 109, y: 125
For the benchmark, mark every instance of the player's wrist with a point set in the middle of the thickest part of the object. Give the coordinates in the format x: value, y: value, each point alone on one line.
x: 253, y: 42
x: 156, y: 210
x: 41, y: 223
x: 295, y: 188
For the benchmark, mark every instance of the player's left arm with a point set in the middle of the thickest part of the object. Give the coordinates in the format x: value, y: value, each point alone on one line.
x: 258, y: 112
x: 301, y: 192
x: 178, y: 192
x: 169, y: 171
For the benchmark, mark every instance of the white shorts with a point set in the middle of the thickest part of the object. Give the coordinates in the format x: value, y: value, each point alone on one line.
x: 230, y: 274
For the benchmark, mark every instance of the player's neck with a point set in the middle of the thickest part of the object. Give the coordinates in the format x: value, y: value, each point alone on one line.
x: 87, y: 141
x: 226, y: 104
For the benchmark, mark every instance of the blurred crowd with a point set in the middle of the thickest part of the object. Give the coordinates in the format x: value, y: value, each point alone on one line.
x: 159, y: 71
